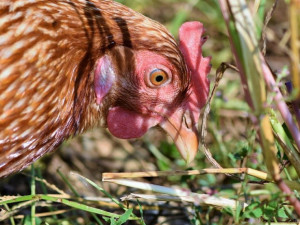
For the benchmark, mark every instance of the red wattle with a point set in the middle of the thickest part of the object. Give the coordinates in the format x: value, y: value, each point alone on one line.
x: 126, y: 124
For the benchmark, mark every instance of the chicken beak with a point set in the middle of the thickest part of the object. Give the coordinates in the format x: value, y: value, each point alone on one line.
x: 184, y: 134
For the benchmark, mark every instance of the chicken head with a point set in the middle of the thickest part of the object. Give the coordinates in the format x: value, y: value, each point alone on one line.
x: 150, y: 91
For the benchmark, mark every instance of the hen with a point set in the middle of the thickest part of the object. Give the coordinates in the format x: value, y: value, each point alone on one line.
x: 66, y: 66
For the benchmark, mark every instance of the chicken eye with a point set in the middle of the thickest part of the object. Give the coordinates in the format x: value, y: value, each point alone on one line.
x: 158, y: 77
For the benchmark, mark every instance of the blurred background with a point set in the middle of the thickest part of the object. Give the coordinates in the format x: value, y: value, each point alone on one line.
x: 231, y: 137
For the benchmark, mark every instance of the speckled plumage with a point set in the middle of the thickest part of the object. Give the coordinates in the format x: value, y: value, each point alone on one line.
x: 48, y: 50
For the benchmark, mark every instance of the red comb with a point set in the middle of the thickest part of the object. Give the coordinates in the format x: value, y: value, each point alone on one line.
x: 191, y: 40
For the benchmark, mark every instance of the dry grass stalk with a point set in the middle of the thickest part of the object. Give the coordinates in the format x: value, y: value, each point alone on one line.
x: 248, y: 171
x: 183, y: 195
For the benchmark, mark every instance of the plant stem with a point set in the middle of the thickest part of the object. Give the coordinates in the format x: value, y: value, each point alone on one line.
x: 32, y: 187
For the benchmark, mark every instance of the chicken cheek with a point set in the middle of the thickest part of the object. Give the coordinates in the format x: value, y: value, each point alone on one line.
x: 104, y: 77
x: 126, y: 124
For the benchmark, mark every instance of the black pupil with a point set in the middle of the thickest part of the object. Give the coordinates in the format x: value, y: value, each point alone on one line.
x: 159, y: 78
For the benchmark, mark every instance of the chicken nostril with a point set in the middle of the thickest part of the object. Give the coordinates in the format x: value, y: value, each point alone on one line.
x: 188, y: 120
x: 204, y: 39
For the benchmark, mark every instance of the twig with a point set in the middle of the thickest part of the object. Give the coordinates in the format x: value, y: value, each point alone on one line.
x: 182, y: 194
x: 268, y: 18
x: 203, y: 199
x: 249, y: 171
x: 45, y: 214
x: 49, y: 185
x: 219, y: 74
